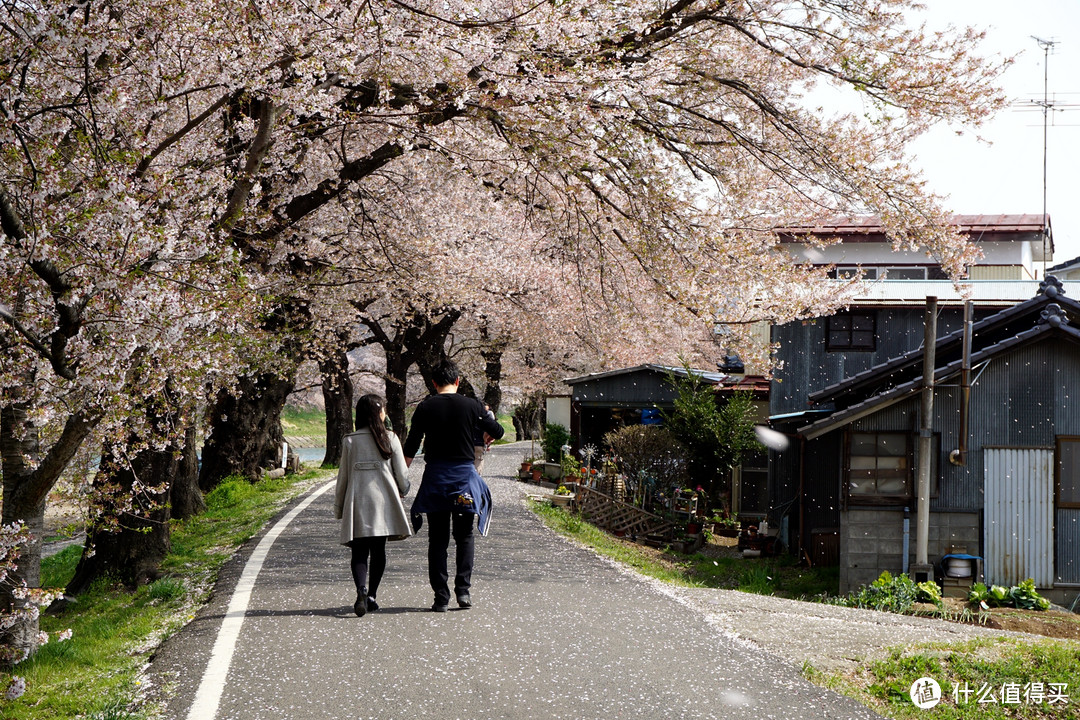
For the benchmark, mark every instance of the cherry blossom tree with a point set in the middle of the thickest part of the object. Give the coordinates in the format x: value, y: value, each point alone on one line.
x: 178, y: 172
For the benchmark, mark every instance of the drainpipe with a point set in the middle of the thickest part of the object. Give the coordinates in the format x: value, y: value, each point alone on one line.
x: 921, y: 571
x: 802, y: 498
x: 907, y: 538
x: 959, y: 455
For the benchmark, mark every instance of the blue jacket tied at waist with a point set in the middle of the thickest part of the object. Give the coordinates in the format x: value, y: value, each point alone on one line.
x: 454, y: 486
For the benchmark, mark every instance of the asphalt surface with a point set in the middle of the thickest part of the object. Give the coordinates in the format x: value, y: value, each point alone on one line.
x: 555, y: 632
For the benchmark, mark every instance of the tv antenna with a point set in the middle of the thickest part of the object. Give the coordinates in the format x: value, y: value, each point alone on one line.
x: 1046, y: 105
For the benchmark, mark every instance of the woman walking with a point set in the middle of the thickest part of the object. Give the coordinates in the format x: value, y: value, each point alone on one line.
x: 372, y: 480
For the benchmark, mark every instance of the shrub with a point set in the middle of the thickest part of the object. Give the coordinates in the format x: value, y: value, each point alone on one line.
x: 717, y: 436
x: 649, y: 451
x: 555, y: 436
x: 888, y: 593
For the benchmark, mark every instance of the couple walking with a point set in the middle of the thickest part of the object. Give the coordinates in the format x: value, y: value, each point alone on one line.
x: 373, y: 479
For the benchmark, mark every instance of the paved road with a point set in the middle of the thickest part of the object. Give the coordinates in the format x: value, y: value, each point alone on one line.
x: 556, y: 632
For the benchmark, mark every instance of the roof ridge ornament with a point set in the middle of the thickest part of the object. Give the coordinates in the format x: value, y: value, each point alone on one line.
x: 1053, y: 316
x: 1051, y: 287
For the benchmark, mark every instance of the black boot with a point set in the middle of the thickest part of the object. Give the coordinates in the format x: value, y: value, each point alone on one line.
x: 360, y: 607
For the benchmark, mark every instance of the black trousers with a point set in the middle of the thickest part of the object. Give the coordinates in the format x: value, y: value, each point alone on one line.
x: 368, y: 563
x: 439, y: 530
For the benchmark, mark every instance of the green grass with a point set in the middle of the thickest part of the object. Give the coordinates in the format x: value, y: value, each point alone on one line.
x: 309, y: 422
x: 306, y: 422
x: 508, y: 427
x: 96, y: 674
x: 996, y: 663
x: 766, y: 576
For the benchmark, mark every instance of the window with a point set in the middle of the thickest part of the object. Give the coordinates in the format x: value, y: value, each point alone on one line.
x: 879, y: 467
x: 846, y: 272
x: 905, y: 273
x: 1068, y: 472
x: 850, y: 331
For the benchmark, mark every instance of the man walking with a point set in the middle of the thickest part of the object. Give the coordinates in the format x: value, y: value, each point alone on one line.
x: 451, y: 493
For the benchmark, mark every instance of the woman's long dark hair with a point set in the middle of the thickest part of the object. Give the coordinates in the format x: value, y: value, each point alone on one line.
x: 368, y: 415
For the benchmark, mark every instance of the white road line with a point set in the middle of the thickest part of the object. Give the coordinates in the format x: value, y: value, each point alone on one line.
x: 213, y: 680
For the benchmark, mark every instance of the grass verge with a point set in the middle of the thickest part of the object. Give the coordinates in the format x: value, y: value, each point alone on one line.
x: 764, y: 576
x: 995, y: 679
x: 305, y: 422
x: 507, y: 422
x: 97, y: 673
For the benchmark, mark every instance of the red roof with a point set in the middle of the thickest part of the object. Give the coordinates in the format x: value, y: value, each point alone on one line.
x: 867, y: 228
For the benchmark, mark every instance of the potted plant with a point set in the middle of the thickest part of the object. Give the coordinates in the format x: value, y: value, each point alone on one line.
x: 526, y: 467
x: 725, y: 525
x: 562, y: 496
x: 569, y: 468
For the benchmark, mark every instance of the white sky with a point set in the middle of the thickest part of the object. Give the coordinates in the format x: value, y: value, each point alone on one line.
x: 1007, y: 175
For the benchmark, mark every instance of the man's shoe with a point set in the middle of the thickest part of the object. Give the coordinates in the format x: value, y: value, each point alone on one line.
x: 372, y: 606
x: 464, y: 601
x: 439, y: 608
x: 360, y: 607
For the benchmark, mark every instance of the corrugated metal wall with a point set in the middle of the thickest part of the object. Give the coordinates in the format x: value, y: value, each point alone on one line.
x: 808, y: 367
x: 1018, y: 535
x: 639, y: 389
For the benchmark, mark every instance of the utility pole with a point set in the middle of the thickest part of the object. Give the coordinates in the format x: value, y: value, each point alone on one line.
x: 922, y: 570
x: 1046, y: 46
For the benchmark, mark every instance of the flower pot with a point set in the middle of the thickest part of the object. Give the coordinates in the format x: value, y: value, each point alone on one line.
x: 561, y: 500
x: 526, y: 466
x: 536, y: 475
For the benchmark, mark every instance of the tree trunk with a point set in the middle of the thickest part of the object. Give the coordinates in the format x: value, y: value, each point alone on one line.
x: 337, y: 391
x: 397, y: 373
x: 128, y: 544
x: 185, y: 496
x: 245, y: 430
x: 21, y: 502
x: 493, y: 374
x: 529, y: 414
x: 26, y: 490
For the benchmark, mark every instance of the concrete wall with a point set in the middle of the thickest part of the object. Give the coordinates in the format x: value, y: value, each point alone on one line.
x: 871, y: 541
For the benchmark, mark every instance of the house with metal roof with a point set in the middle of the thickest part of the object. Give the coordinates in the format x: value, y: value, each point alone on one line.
x: 1004, y: 452
x: 605, y: 401
x: 1014, y: 247
x: 856, y: 352
x: 1068, y: 270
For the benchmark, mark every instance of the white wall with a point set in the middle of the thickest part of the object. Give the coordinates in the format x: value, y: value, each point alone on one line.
x: 558, y: 410
x: 877, y: 253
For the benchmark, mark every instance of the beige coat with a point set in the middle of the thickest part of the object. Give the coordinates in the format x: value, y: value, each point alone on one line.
x: 370, y: 488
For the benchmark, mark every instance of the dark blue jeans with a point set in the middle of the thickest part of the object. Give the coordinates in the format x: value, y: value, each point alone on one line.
x: 439, y: 529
